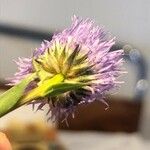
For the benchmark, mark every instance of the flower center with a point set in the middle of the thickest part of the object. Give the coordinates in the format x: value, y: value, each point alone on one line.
x: 65, y: 60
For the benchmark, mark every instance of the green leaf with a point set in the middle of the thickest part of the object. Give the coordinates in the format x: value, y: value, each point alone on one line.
x: 51, y: 87
x: 41, y: 90
x: 63, y: 87
x: 10, y: 98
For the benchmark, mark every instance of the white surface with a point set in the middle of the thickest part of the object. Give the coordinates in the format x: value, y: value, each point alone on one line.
x: 10, y: 49
x: 103, y: 141
x: 128, y: 20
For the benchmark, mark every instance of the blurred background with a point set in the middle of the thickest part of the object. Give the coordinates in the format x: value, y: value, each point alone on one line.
x: 126, y: 124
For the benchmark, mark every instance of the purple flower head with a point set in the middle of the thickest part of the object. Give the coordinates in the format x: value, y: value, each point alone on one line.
x: 81, y: 53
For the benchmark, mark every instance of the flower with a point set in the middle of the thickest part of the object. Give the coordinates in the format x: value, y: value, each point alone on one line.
x: 81, y: 55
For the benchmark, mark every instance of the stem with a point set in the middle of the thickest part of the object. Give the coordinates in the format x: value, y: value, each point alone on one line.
x: 9, y: 99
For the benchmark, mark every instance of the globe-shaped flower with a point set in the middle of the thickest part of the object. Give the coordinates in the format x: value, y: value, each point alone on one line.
x: 79, y: 55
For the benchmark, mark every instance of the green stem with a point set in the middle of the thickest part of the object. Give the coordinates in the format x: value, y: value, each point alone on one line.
x: 10, y: 98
